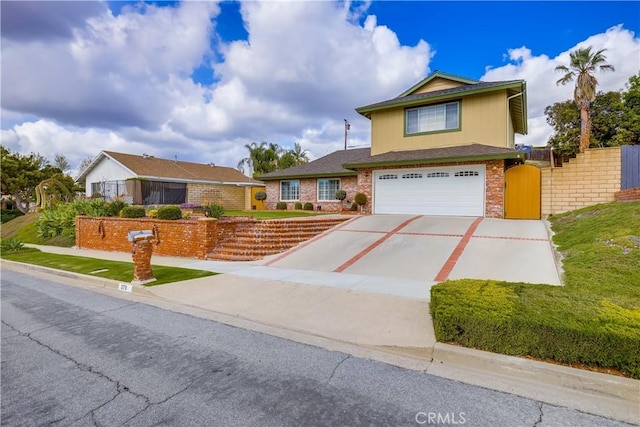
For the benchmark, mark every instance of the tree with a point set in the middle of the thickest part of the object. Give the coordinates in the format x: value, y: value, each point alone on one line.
x: 615, y: 118
x: 21, y: 174
x: 582, y: 65
x: 300, y: 155
x: 263, y: 158
x: 60, y: 161
x: 84, y: 164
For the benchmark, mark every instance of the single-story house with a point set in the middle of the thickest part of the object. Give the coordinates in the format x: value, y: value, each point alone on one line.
x: 442, y: 147
x: 147, y: 180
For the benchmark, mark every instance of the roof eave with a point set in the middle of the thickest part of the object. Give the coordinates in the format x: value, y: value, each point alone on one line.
x: 434, y: 75
x: 501, y: 156
x: 303, y: 176
x: 367, y: 110
x: 198, y: 181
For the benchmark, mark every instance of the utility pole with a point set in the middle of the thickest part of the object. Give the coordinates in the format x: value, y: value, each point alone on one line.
x: 347, y: 126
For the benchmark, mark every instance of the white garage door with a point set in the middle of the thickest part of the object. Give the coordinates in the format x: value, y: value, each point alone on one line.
x: 446, y: 190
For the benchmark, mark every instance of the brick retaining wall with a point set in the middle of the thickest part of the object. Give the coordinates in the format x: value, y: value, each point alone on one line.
x: 628, y: 195
x: 185, y: 238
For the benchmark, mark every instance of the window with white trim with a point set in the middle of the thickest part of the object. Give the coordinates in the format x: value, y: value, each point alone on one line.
x: 289, y: 190
x: 467, y: 173
x: 327, y: 189
x: 433, y: 118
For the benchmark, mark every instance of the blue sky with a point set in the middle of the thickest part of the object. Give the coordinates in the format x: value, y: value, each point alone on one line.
x: 202, y: 79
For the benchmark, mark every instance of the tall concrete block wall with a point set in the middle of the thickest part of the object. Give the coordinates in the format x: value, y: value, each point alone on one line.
x: 592, y: 177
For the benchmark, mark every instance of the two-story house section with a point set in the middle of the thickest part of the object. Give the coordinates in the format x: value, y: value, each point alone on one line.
x: 442, y: 146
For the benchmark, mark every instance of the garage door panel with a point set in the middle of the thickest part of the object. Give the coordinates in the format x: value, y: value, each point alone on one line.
x: 451, y: 190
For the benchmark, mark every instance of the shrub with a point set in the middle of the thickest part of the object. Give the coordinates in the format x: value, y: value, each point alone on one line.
x: 361, y: 199
x: 354, y: 206
x: 153, y: 213
x: 58, y: 220
x: 114, y: 207
x: 216, y: 210
x: 261, y: 196
x: 94, y: 207
x: 341, y: 195
x: 132, y: 212
x: 169, y: 212
x: 281, y: 206
x: 8, y: 215
x: 11, y: 245
x: 308, y: 206
x: 298, y: 206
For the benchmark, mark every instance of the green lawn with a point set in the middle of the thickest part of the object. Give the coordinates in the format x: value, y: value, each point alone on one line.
x: 593, y: 320
x: 115, y: 270
x: 273, y: 214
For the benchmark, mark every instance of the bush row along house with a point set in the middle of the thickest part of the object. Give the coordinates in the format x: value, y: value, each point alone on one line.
x: 147, y: 180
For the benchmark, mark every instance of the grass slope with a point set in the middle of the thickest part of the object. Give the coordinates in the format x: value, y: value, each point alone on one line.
x: 115, y: 270
x: 593, y: 320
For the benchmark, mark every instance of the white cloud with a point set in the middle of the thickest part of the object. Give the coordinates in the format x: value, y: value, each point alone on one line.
x: 623, y: 52
x: 305, y: 67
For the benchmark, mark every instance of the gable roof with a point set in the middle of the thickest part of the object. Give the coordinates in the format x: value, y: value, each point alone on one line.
x: 438, y: 74
x: 457, y: 153
x: 327, y: 166
x: 516, y: 92
x: 150, y: 167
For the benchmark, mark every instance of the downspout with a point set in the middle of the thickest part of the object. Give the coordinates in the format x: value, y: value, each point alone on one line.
x: 507, y: 121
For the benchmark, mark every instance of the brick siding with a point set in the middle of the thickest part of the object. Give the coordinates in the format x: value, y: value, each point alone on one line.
x: 309, y: 193
x: 230, y: 197
x: 592, y: 177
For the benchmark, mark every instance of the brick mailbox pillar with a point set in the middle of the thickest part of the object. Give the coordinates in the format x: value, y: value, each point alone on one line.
x: 142, y: 251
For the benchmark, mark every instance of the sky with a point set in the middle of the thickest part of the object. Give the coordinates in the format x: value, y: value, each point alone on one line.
x: 199, y: 80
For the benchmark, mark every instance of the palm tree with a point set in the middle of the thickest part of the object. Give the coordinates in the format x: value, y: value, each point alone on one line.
x: 301, y: 156
x: 582, y: 65
x: 263, y: 158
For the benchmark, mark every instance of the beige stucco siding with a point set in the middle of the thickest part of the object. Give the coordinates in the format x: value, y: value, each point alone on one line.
x: 483, y: 121
x: 438, y: 84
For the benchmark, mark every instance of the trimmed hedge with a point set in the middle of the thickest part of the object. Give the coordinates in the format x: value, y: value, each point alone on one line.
x: 537, y: 320
x: 169, y: 213
x: 308, y: 206
x: 361, y: 199
x: 297, y: 206
x: 281, y: 206
x: 132, y: 212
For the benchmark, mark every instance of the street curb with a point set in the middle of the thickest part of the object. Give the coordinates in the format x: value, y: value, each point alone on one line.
x: 591, y: 392
x: 97, y: 281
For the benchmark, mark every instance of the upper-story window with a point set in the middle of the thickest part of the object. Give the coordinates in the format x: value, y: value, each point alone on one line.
x: 433, y: 118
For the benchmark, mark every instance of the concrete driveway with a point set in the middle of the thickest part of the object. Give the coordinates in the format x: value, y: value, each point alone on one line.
x: 431, y: 249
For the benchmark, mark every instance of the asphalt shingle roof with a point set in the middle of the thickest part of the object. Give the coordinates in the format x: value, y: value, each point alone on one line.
x: 434, y: 155
x: 329, y: 165
x: 149, y: 166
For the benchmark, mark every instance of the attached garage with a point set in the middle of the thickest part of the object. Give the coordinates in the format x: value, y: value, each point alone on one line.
x: 444, y: 190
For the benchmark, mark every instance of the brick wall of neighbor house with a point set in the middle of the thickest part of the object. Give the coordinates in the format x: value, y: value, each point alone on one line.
x: 309, y: 193
x: 187, y: 238
x: 494, y: 191
x: 628, y: 195
x: 592, y: 177
x: 231, y: 197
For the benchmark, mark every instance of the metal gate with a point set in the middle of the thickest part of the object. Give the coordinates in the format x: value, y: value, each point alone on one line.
x: 522, y: 192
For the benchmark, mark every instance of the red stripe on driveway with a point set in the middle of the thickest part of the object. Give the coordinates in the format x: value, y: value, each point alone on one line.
x: 455, y: 255
x: 308, y: 242
x: 374, y: 245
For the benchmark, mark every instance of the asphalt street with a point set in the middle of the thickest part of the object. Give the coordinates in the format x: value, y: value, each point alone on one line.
x: 75, y: 357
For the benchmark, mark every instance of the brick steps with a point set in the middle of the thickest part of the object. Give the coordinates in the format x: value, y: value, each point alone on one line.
x: 257, y: 240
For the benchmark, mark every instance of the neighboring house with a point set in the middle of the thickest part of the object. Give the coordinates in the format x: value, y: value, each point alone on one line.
x: 440, y: 148
x: 146, y: 180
